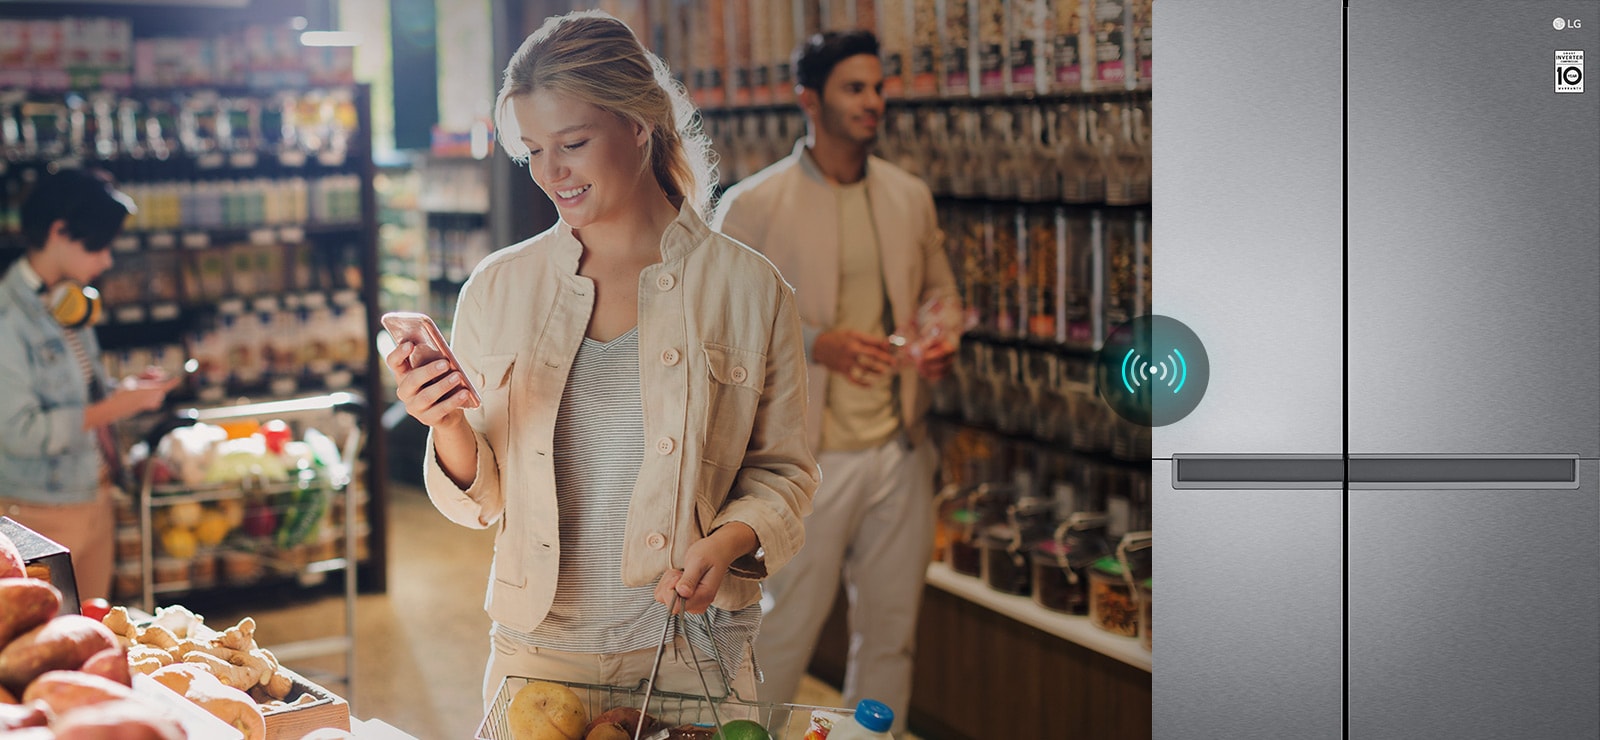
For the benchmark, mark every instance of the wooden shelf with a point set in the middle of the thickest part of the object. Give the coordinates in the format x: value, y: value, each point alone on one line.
x: 1071, y: 628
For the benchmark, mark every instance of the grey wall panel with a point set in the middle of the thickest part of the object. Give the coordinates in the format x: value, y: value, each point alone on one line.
x: 1247, y: 176
x: 1475, y: 614
x: 1252, y: 581
x: 1474, y: 243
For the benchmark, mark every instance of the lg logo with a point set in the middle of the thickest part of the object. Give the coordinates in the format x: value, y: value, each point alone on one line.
x: 1561, y: 23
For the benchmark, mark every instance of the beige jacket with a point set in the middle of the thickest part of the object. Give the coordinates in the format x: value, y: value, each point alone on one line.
x: 789, y: 212
x: 722, y: 374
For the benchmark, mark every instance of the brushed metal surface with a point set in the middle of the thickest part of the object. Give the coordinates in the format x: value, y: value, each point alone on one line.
x: 1474, y: 614
x: 1474, y: 270
x: 1253, y: 583
x: 1247, y: 175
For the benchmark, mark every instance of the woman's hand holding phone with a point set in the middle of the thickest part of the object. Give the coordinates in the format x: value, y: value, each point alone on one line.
x: 435, y: 391
x: 432, y: 392
x: 431, y: 382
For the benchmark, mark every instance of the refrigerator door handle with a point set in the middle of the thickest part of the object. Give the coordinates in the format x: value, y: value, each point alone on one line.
x: 1497, y: 472
x: 1382, y: 472
x: 1276, y: 472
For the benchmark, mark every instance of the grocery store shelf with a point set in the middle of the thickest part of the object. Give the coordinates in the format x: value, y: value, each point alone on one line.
x: 1073, y: 629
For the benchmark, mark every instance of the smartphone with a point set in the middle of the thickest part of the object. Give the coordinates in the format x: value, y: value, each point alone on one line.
x: 428, y: 345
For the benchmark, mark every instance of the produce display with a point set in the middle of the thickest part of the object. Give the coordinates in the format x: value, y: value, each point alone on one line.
x: 232, y: 504
x: 65, y: 676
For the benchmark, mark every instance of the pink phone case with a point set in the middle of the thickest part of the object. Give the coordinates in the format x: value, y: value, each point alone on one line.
x: 430, y: 345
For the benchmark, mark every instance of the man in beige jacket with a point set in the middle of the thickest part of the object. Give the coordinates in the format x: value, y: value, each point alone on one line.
x: 859, y: 240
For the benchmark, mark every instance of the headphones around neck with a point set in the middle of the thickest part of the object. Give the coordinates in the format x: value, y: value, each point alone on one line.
x: 73, y: 305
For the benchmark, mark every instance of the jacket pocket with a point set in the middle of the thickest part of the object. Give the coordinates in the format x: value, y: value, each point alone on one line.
x: 735, y: 382
x: 493, y: 381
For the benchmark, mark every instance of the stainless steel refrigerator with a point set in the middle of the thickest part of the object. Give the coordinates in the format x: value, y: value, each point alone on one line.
x: 1383, y: 221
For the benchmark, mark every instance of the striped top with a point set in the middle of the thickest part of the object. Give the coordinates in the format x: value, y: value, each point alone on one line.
x: 599, y: 447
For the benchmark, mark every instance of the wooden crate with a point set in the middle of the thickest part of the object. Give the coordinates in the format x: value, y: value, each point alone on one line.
x: 292, y: 723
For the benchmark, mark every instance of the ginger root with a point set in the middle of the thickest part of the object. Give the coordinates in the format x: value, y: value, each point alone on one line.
x: 117, y: 621
x: 190, y: 645
x: 161, y: 637
x: 241, y: 637
x: 238, y: 677
x: 149, y: 652
x: 279, y: 684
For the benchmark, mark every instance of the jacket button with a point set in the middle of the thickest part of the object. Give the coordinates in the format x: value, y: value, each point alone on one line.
x: 740, y: 374
x: 665, y: 445
x: 665, y: 281
x: 669, y: 357
x: 656, y: 541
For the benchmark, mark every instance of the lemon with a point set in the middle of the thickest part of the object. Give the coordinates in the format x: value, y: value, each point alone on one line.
x: 213, y: 528
x: 742, y: 729
x: 179, y: 542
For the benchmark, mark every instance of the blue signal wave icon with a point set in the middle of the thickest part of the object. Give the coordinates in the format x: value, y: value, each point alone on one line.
x: 1172, y: 371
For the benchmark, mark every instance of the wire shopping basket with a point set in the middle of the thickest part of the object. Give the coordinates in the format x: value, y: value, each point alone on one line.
x: 783, y: 721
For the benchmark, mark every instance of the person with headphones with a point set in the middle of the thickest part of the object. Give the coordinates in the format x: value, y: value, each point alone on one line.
x: 56, y: 454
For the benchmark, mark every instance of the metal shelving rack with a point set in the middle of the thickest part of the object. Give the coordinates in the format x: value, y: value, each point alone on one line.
x: 336, y: 477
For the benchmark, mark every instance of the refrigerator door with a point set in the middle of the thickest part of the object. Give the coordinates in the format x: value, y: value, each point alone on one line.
x: 1247, y: 162
x: 1474, y: 277
x: 1473, y: 612
x: 1253, y: 579
x: 1247, y: 169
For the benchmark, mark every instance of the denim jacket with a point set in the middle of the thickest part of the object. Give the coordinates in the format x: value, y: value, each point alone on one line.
x: 46, y: 456
x: 722, y: 375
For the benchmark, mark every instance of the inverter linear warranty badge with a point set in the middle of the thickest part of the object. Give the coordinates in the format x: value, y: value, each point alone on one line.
x: 1569, y: 71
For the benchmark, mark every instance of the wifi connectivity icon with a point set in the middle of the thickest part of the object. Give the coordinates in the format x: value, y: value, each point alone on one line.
x: 1152, y: 370
x: 1171, y: 371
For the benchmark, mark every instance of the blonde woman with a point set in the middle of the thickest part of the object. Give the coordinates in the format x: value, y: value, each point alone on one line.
x: 642, y: 434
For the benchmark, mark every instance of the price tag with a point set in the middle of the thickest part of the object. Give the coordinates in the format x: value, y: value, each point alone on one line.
x: 265, y: 304
x: 164, y: 312
x: 210, y: 161
x: 242, y: 160
x: 331, y: 158
x: 292, y: 158
x: 129, y: 314
x: 291, y: 235
x: 161, y: 240
x: 262, y: 237
x: 196, y: 240
x: 125, y: 243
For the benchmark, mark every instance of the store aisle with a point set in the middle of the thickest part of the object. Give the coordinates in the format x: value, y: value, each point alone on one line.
x: 420, y: 647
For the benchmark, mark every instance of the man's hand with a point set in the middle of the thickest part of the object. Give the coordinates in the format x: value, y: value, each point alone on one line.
x: 936, y: 358
x: 860, y: 358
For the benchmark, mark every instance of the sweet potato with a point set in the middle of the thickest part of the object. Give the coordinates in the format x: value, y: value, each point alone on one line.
x: 11, y: 562
x: 32, y: 733
x: 110, y: 663
x: 25, y: 603
x: 123, y: 719
x: 64, y: 691
x: 18, y: 716
x: 63, y: 643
